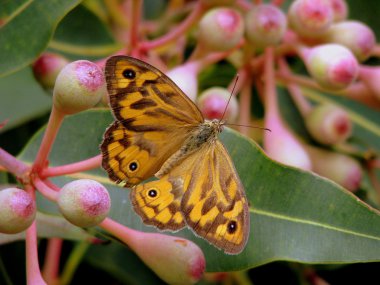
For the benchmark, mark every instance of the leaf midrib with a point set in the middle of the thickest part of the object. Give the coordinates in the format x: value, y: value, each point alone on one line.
x: 309, y: 222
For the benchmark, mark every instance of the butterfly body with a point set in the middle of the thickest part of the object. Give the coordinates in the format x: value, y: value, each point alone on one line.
x: 158, y: 131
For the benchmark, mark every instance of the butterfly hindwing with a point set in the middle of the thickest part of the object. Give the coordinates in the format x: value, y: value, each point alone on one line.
x: 158, y: 203
x: 214, y: 203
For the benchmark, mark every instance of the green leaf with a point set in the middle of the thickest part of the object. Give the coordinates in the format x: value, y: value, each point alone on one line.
x: 81, y: 34
x: 295, y: 215
x: 123, y: 264
x: 26, y: 28
x: 22, y: 99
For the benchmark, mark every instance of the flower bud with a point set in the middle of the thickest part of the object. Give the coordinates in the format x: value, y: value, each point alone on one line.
x: 185, y: 76
x: 175, y: 260
x: 281, y: 145
x: 79, y: 86
x: 338, y: 167
x: 221, y: 29
x: 333, y: 66
x: 328, y: 124
x: 84, y: 202
x: 310, y: 18
x: 17, y: 210
x: 213, y: 101
x: 370, y: 75
x: 265, y: 25
x: 340, y: 10
x: 354, y: 35
x: 47, y: 67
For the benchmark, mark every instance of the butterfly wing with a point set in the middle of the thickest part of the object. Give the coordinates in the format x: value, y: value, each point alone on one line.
x: 153, y: 119
x: 214, y: 203
x: 205, y: 192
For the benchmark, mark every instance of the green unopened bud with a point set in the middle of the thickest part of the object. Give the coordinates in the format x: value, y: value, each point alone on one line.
x: 340, y: 168
x: 84, y: 202
x: 47, y: 67
x: 213, y: 101
x: 333, y: 66
x: 265, y: 25
x: 328, y: 124
x: 175, y: 260
x: 17, y: 210
x: 79, y: 86
x: 221, y: 29
x: 354, y: 35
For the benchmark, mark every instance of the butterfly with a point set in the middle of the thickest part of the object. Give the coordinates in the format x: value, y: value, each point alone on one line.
x: 158, y: 131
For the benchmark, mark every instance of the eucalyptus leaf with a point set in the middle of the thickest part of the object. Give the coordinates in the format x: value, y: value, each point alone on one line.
x: 295, y: 215
x: 26, y: 28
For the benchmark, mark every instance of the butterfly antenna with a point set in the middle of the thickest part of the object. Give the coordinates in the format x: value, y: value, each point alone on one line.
x: 252, y: 127
x: 229, y: 99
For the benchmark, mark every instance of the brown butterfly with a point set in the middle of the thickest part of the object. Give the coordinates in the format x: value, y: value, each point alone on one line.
x: 159, y: 131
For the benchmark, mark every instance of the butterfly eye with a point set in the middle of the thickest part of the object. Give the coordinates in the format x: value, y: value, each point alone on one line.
x: 129, y: 73
x: 133, y: 166
x: 152, y: 193
x: 232, y: 227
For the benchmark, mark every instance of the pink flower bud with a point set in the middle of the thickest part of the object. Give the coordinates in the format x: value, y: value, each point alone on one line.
x: 370, y: 77
x: 84, y: 202
x: 281, y: 145
x: 47, y: 67
x: 213, y: 101
x: 221, y: 29
x: 329, y: 124
x: 340, y: 10
x: 79, y: 86
x: 175, y: 260
x: 185, y: 76
x: 265, y: 25
x: 354, y: 35
x: 340, y: 168
x: 17, y: 210
x: 333, y: 66
x: 310, y: 18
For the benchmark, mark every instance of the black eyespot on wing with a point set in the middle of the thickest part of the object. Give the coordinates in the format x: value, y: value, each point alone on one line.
x: 133, y: 166
x: 152, y: 193
x: 232, y: 227
x: 129, y: 73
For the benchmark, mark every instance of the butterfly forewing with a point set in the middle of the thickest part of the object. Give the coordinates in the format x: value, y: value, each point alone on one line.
x: 153, y: 119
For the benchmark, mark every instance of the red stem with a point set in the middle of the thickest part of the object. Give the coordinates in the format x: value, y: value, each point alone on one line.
x: 45, y: 190
x: 55, y: 121
x: 51, y: 264
x: 135, y: 16
x: 245, y: 102
x: 91, y: 163
x: 295, y: 91
x: 270, y: 99
x: 33, y: 273
x: 12, y: 164
x: 177, y: 32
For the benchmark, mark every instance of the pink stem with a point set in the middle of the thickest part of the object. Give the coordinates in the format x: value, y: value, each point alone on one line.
x: 134, y: 15
x: 270, y: 100
x: 55, y: 121
x: 45, y: 190
x: 295, y: 91
x: 118, y: 230
x: 179, y: 31
x: 51, y: 264
x: 245, y: 103
x: 33, y: 273
x: 12, y: 164
x: 93, y: 162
